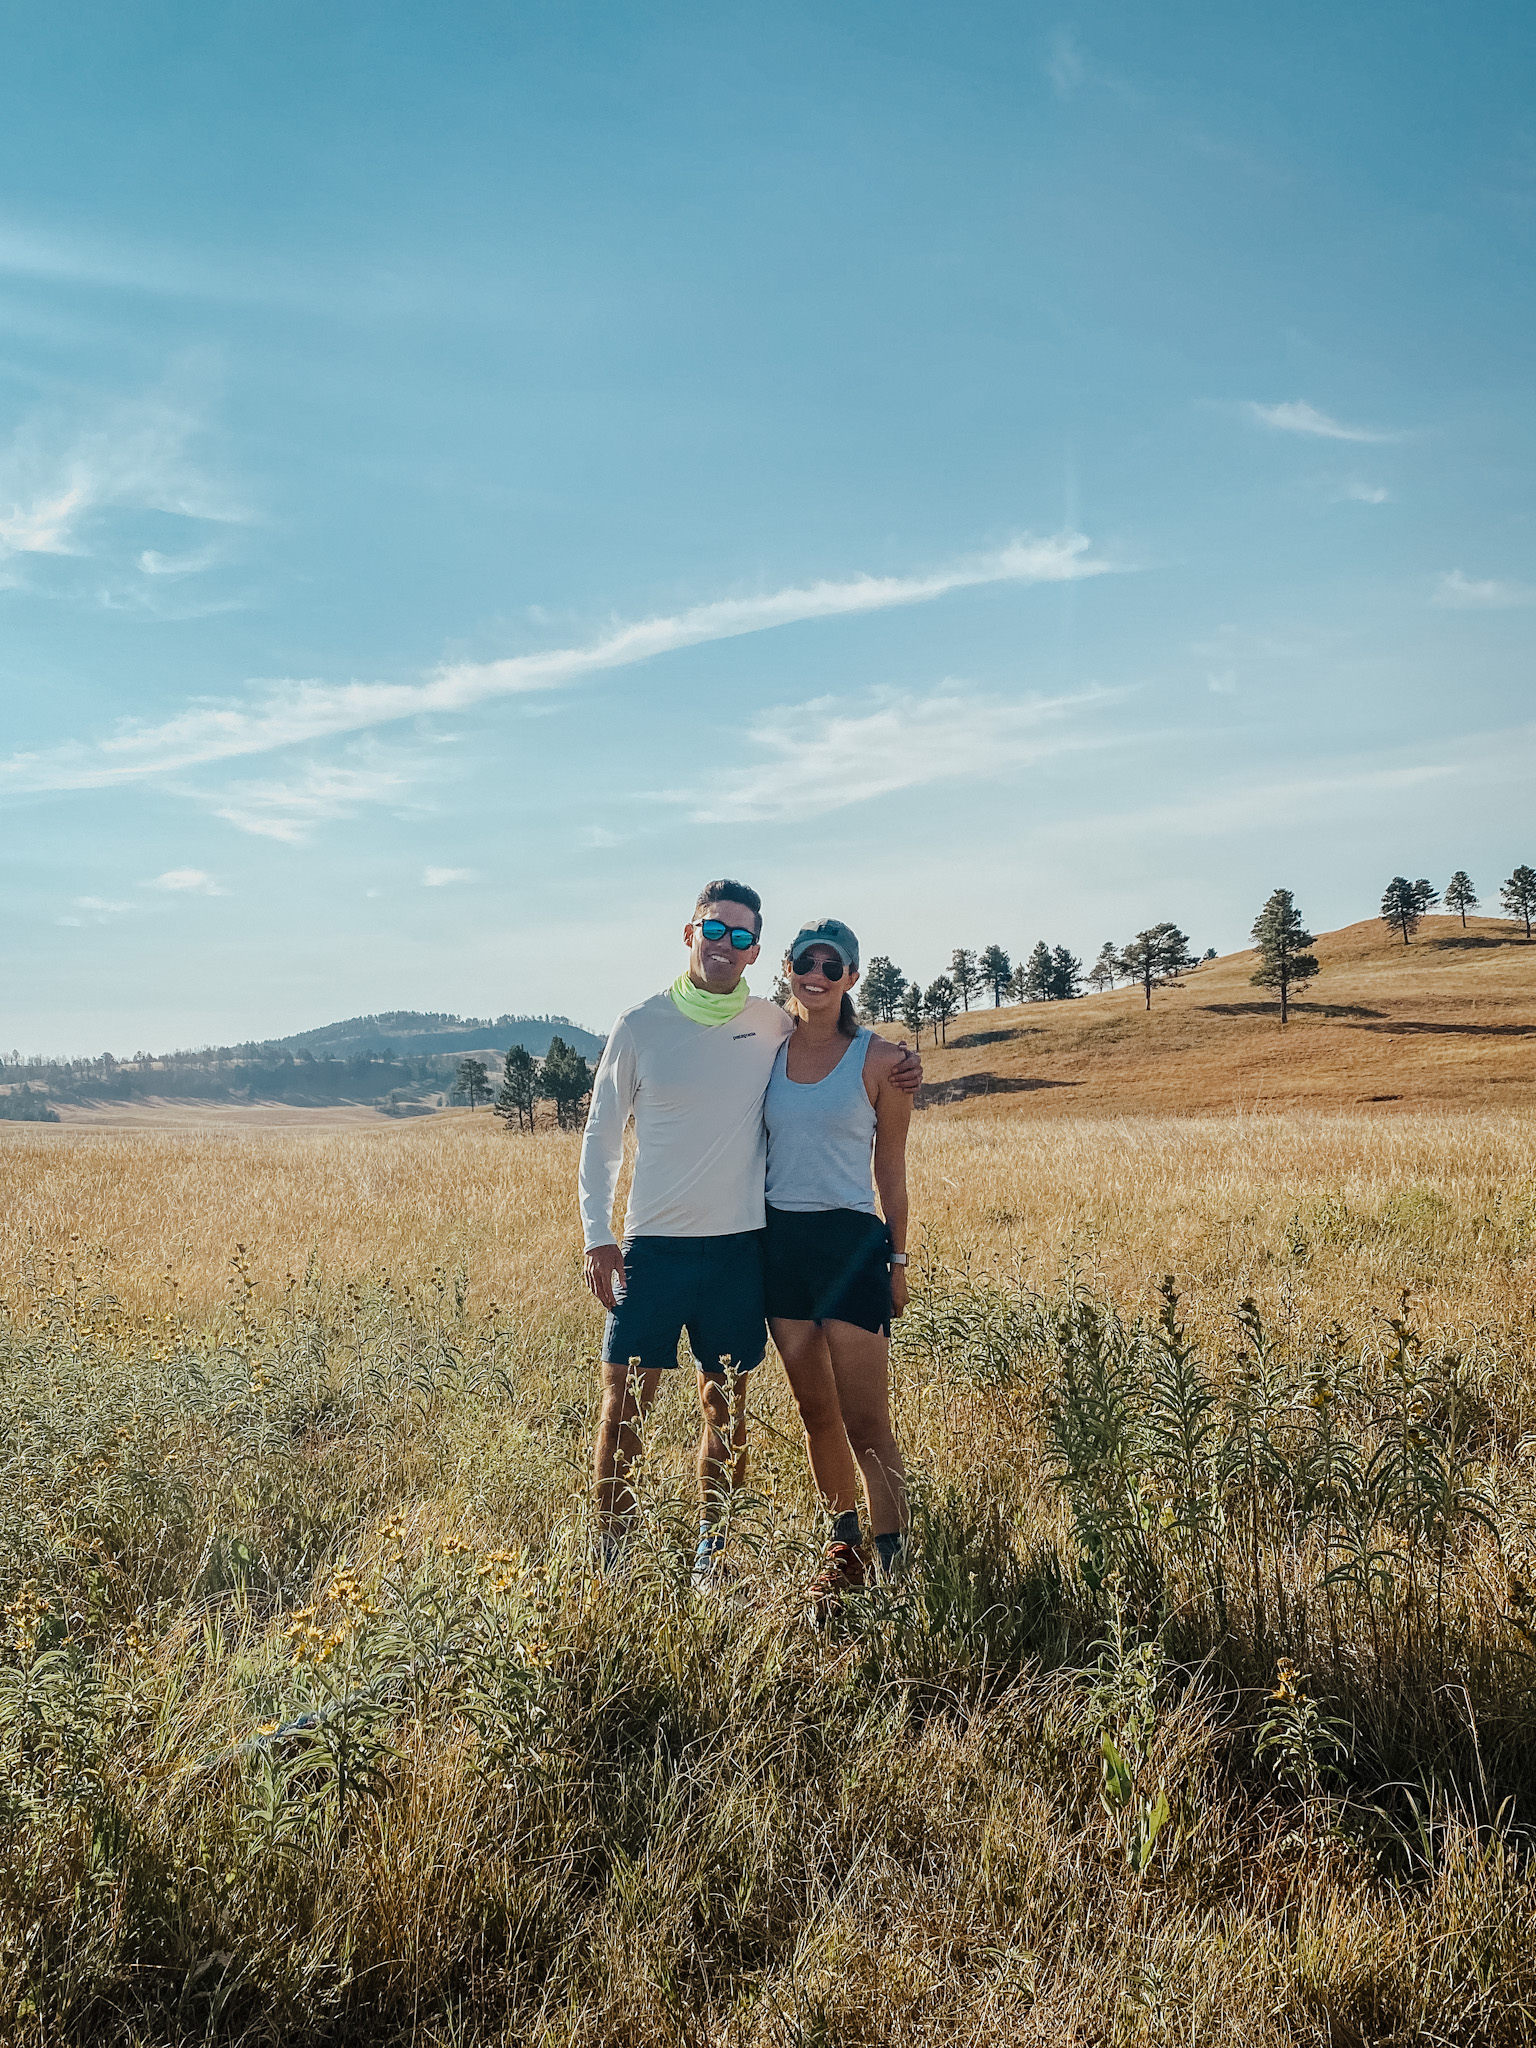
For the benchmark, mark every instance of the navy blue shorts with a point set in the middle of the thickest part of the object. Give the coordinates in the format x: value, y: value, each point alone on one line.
x: 828, y: 1265
x: 712, y: 1287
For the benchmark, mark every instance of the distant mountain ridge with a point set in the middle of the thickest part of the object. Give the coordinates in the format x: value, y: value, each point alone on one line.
x: 414, y: 1031
x: 403, y: 1061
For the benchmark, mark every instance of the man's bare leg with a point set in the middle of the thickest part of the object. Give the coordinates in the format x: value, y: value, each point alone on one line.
x: 626, y: 1401
x: 722, y: 1462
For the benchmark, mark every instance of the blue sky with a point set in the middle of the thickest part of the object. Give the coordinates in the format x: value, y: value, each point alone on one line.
x: 468, y: 474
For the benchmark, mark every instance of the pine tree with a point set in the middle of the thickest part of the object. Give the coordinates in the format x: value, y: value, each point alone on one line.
x: 1426, y: 895
x: 912, y: 1009
x: 1400, y: 907
x: 1156, y: 956
x: 962, y: 972
x: 471, y: 1083
x: 1518, y: 896
x: 1066, y: 974
x: 939, y: 1005
x: 1035, y: 975
x: 996, y: 972
x: 1101, y: 974
x: 1460, y: 896
x: 566, y: 1079
x: 880, y: 991
x: 1284, y: 962
x: 519, y: 1087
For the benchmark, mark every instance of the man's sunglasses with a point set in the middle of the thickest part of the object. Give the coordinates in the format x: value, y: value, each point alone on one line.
x: 829, y: 970
x: 714, y: 930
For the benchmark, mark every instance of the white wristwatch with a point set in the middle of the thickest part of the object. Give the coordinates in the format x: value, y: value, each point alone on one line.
x: 898, y: 1258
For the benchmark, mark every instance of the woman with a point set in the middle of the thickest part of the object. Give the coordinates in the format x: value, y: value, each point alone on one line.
x: 834, y: 1271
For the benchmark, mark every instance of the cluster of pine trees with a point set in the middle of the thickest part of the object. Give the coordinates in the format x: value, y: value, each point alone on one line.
x: 1048, y: 974
x: 563, y: 1077
x: 26, y: 1105
x: 1154, y: 959
x: 1404, y: 903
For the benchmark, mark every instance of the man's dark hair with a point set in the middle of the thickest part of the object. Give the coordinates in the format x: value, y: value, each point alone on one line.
x: 731, y: 892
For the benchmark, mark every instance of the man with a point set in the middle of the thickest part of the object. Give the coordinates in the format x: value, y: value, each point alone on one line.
x: 691, y: 1066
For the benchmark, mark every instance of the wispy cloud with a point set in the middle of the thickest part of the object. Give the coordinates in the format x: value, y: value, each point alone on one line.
x: 289, y: 810
x: 1365, y: 494
x: 1233, y: 807
x: 187, y: 882
x: 1465, y: 593
x: 174, y: 601
x: 443, y: 878
x: 362, y: 291
x: 1253, y: 804
x: 56, y: 258
x: 153, y: 563
x: 1296, y: 416
x: 1222, y: 682
x: 59, y: 473
x: 1230, y: 643
x: 289, y: 713
x: 95, y: 910
x: 42, y: 526
x: 821, y: 756
x: 1064, y: 64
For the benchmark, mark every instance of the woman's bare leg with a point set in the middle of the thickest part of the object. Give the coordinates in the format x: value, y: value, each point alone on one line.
x: 808, y: 1368
x: 860, y: 1367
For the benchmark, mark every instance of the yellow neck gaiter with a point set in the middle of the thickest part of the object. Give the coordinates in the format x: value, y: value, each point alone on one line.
x: 702, y: 1006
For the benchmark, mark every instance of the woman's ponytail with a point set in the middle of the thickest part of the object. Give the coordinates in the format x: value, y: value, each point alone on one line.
x: 848, y: 1017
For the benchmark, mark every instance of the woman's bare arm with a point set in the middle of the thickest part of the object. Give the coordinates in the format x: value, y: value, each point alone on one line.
x: 893, y: 1119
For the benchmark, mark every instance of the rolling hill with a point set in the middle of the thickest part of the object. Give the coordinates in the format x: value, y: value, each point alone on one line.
x: 416, y: 1031
x: 1448, y: 1022
x: 400, y: 1063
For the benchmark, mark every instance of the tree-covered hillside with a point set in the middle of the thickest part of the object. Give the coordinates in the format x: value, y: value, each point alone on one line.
x: 418, y: 1031
x: 403, y: 1061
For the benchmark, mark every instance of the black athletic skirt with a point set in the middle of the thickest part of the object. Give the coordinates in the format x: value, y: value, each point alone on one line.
x: 828, y: 1265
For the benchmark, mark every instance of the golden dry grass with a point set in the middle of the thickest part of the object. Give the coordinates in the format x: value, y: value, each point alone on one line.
x: 608, y: 1814
x: 400, y: 1198
x: 1329, y: 1214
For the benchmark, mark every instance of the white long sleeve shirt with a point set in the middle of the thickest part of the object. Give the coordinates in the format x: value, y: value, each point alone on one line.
x: 695, y: 1092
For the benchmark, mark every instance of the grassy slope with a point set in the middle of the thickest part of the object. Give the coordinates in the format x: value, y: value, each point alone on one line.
x: 1446, y: 1023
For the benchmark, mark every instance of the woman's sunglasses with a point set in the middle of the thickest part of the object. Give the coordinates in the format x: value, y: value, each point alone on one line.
x: 714, y: 930
x: 829, y: 970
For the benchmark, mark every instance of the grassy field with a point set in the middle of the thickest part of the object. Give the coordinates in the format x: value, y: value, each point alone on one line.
x: 1205, y: 1716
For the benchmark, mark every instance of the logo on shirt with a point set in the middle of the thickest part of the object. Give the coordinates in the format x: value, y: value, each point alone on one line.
x: 742, y: 1034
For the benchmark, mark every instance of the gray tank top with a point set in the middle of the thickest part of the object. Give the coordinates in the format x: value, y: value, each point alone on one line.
x: 821, y: 1135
